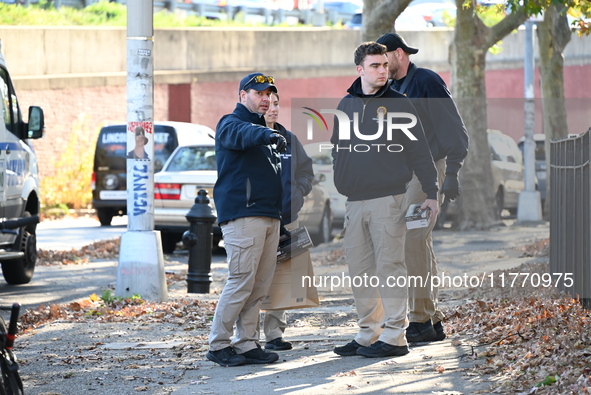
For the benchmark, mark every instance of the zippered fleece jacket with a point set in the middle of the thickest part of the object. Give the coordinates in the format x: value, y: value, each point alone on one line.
x: 370, y: 165
x: 249, y: 168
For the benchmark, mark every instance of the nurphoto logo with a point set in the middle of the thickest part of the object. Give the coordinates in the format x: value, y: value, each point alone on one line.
x: 387, y: 122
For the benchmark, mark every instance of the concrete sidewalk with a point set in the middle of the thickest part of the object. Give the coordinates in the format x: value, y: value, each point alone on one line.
x: 169, y: 357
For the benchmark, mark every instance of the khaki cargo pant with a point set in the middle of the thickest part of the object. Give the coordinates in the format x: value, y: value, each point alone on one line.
x: 420, y: 258
x: 374, y: 250
x: 251, y: 247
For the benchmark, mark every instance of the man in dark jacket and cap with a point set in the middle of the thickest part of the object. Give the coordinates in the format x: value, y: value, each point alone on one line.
x: 372, y: 169
x: 248, y: 196
x: 448, y: 142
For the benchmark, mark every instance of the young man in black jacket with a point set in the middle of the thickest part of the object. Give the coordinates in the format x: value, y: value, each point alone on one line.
x: 448, y: 142
x: 372, y: 170
x: 248, y: 194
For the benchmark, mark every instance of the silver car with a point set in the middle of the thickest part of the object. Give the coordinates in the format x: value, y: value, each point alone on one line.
x: 193, y: 167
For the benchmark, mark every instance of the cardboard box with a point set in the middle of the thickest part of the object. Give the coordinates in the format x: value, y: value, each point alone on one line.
x: 298, y: 243
x: 287, y: 291
x: 417, y: 218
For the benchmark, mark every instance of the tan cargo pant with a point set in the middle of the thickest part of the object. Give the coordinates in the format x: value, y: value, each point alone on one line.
x: 420, y: 258
x: 374, y: 250
x: 251, y: 247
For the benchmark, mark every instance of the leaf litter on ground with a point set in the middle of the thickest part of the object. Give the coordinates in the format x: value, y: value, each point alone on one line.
x: 526, y: 339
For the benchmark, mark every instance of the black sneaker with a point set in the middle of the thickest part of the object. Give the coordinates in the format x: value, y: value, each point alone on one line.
x: 439, y: 332
x: 380, y: 350
x: 258, y: 356
x: 226, y: 357
x: 278, y: 345
x: 421, y: 332
x: 348, y: 350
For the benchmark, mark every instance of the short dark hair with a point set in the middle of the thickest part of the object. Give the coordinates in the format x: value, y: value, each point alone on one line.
x: 368, y: 48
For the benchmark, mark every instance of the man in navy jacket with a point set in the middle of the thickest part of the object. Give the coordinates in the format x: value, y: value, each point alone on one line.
x: 448, y: 142
x: 248, y: 196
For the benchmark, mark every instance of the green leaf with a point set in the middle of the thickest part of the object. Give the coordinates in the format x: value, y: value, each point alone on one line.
x: 549, y: 380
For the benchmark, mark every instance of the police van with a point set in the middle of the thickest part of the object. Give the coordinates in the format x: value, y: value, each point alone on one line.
x: 19, y: 184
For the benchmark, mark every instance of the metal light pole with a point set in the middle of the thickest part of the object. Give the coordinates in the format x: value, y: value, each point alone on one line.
x: 529, y: 207
x: 141, y: 263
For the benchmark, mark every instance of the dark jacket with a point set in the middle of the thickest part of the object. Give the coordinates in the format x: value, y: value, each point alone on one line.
x: 379, y: 172
x: 297, y: 175
x: 249, y: 168
x: 439, y: 115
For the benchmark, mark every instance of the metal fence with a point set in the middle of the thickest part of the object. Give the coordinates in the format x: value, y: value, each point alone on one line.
x: 570, y: 214
x: 209, y: 9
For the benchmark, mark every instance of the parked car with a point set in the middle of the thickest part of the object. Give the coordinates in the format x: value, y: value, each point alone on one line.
x: 354, y: 23
x: 412, y: 19
x: 109, y: 177
x: 193, y: 167
x: 434, y: 12
x: 507, y: 172
x: 343, y: 7
x: 322, y: 163
x: 19, y: 183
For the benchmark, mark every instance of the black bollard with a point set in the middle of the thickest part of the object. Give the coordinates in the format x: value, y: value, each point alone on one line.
x: 199, y: 241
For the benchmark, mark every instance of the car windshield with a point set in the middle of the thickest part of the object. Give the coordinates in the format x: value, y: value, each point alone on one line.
x: 193, y: 158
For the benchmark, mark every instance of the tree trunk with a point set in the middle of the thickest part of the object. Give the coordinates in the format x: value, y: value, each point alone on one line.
x: 379, y: 17
x: 472, y: 39
x: 553, y: 36
x: 467, y: 52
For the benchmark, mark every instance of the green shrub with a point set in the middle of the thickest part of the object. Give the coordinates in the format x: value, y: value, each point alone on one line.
x: 102, y: 13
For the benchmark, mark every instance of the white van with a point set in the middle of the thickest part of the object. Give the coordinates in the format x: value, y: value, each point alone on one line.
x: 19, y: 184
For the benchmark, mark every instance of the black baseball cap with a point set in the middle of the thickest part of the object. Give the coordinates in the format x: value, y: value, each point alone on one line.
x: 258, y: 82
x: 393, y: 41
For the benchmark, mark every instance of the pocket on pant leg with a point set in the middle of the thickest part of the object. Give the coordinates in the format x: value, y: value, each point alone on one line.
x: 239, y: 252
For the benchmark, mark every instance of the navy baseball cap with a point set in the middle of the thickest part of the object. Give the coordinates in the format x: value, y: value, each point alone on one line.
x: 257, y: 81
x: 393, y: 41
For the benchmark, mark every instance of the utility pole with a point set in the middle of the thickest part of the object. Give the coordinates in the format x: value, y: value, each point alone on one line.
x: 529, y: 207
x: 141, y: 263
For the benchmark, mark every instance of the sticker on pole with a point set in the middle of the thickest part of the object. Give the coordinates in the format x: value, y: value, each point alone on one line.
x: 143, y: 140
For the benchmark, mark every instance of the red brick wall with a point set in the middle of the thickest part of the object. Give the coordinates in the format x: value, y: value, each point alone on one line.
x: 64, y: 108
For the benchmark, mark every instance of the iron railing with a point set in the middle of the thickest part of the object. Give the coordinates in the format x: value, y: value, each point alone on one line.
x: 570, y: 214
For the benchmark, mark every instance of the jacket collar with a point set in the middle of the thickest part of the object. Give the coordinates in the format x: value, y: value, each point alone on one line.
x: 356, y: 90
x: 246, y: 115
x: 281, y: 129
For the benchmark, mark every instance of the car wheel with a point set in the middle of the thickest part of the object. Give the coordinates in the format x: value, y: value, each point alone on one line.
x: 325, y: 228
x: 105, y: 216
x: 169, y: 241
x: 20, y: 271
x: 500, y: 201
